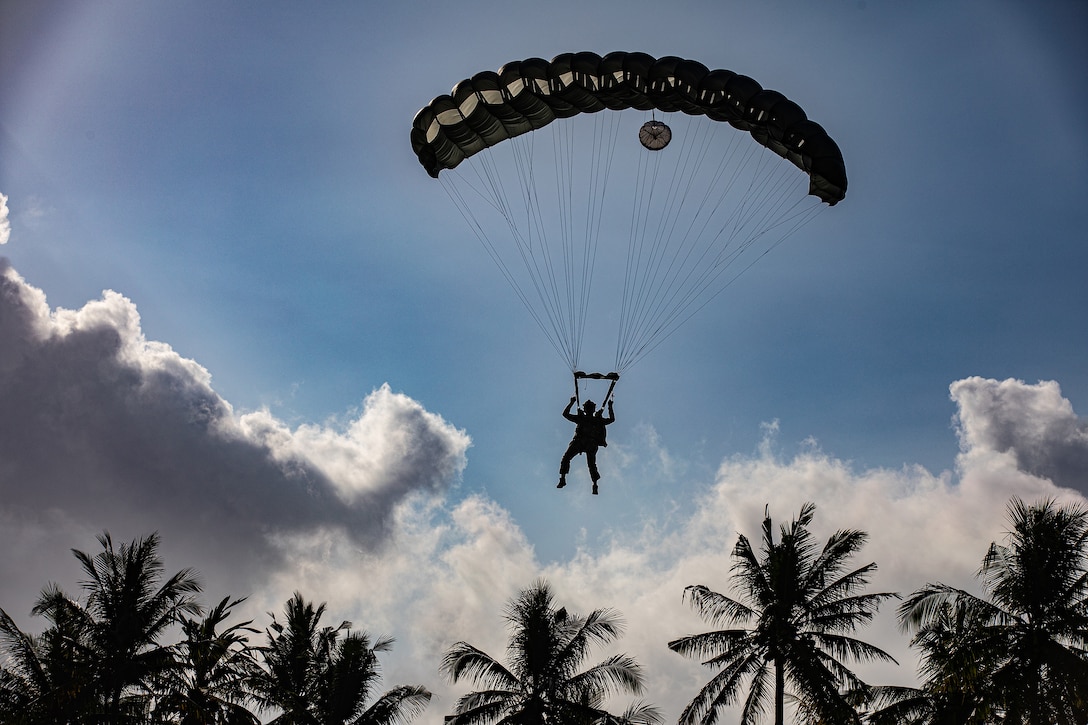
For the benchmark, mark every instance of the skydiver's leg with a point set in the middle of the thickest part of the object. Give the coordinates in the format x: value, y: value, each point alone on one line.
x: 564, y: 466
x: 591, y: 461
x: 572, y: 450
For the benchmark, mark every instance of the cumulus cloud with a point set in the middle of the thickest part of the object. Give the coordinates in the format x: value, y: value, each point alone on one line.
x: 1032, y: 424
x: 102, y: 427
x: 5, y: 223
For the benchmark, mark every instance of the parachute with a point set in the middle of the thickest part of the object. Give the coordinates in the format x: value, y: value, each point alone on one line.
x: 666, y: 214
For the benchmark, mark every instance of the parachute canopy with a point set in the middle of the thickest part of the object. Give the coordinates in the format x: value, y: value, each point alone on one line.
x: 526, y: 95
x: 675, y: 212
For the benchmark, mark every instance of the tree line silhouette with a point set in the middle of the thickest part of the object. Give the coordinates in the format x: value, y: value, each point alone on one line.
x: 782, y: 643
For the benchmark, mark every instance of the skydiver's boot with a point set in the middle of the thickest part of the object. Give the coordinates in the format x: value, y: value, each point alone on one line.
x: 594, y: 489
x: 562, y: 481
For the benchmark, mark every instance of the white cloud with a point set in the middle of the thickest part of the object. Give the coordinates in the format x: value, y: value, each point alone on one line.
x: 1033, y: 424
x: 5, y: 223
x: 394, y: 444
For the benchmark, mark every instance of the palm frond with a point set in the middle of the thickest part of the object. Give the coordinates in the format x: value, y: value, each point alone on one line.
x: 832, y: 559
x: 749, y: 570
x: 22, y: 652
x: 638, y: 713
x: 600, y: 627
x: 755, y: 704
x: 463, y: 660
x: 398, y: 706
x: 926, y: 603
x: 721, y: 691
x: 846, y: 614
x: 714, y: 647
x: 483, y: 707
x: 843, y: 587
x: 715, y: 608
x: 617, y: 674
x: 842, y: 646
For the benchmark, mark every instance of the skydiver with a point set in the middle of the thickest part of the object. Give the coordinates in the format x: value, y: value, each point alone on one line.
x: 589, y: 433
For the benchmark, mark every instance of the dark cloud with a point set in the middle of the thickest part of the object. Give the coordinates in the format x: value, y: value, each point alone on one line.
x: 108, y: 430
x: 1034, y: 423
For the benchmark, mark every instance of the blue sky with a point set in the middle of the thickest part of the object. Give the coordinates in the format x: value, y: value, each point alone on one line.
x: 240, y: 176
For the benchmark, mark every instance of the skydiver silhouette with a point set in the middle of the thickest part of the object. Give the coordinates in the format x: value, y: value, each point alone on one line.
x: 589, y: 434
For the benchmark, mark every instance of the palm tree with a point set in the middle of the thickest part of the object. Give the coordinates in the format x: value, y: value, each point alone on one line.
x: 803, y: 608
x: 208, y: 686
x: 542, y: 683
x: 101, y: 656
x: 130, y: 607
x: 47, y: 679
x: 24, y: 679
x: 313, y: 676
x: 1029, y: 656
x: 957, y: 652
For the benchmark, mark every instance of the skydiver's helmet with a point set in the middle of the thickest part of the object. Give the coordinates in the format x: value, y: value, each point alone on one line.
x: 589, y: 406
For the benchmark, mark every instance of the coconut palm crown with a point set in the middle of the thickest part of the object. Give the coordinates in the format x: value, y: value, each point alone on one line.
x: 1024, y: 653
x: 797, y: 608
x: 542, y: 682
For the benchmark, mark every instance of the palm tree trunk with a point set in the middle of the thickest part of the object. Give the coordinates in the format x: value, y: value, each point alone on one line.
x: 779, y: 692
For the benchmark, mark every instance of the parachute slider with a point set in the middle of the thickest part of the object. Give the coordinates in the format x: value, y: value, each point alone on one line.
x: 579, y: 375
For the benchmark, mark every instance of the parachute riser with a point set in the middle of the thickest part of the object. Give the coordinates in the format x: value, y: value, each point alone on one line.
x: 614, y: 377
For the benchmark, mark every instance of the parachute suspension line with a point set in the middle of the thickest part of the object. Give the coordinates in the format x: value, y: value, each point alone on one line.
x: 539, y: 261
x: 581, y: 178
x: 695, y: 232
x: 657, y: 277
x: 745, y: 201
x: 534, y: 255
x: 668, y: 312
x: 640, y: 176
x: 661, y: 334
x: 554, y: 231
x: 645, y: 283
x: 796, y: 220
x: 526, y: 236
x: 465, y: 209
x: 717, y: 205
x: 563, y: 151
x: 574, y: 285
x: 765, y: 207
x: 648, y: 168
x: 600, y: 158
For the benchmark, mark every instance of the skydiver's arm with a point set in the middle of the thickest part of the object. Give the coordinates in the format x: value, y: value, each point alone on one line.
x: 566, y: 411
x: 611, y: 414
